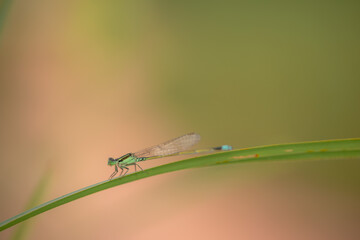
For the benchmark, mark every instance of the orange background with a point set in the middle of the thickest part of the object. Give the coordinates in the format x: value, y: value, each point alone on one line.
x: 82, y: 81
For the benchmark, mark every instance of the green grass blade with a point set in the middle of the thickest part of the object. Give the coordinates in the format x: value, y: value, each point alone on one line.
x: 322, y: 150
x: 35, y: 199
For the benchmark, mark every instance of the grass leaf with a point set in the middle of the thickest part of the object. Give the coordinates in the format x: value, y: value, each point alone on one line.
x: 36, y: 197
x: 321, y: 150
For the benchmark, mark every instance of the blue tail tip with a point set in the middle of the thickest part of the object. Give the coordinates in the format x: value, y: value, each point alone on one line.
x: 226, y: 147
x: 223, y: 148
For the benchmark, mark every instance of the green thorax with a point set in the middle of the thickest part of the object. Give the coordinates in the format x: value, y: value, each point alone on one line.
x: 125, y: 160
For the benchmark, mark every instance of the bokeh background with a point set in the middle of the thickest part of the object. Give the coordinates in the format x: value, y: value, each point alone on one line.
x: 81, y: 81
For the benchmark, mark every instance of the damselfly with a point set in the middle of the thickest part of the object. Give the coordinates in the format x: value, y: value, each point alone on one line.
x: 174, y: 147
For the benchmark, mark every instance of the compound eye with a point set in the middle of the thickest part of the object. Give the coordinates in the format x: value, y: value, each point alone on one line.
x: 111, y: 159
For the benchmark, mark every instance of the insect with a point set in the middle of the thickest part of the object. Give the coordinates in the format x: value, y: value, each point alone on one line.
x: 173, y: 147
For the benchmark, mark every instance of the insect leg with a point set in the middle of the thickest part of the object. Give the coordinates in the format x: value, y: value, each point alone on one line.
x: 142, y: 169
x: 138, y: 166
x: 122, y: 170
x: 127, y: 169
x: 114, y: 173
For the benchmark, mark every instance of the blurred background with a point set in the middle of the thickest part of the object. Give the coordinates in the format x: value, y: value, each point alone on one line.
x: 81, y: 81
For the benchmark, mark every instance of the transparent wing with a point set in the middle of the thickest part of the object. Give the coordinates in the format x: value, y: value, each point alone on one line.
x: 175, y: 145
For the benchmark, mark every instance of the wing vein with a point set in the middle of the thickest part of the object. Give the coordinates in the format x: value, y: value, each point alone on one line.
x: 172, y: 146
